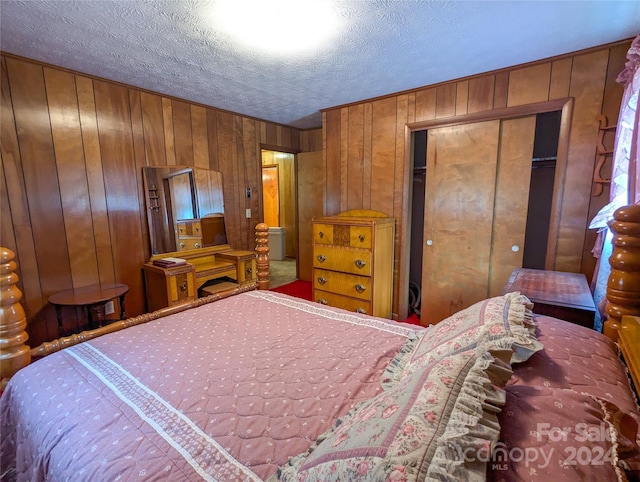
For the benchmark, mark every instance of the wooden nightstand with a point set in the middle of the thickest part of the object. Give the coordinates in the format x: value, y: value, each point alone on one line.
x: 555, y: 293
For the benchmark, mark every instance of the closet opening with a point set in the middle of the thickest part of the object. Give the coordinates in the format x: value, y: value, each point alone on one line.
x: 511, y: 231
x: 417, y: 220
x: 543, y: 172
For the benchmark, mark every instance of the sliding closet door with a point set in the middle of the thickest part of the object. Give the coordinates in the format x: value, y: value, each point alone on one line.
x: 477, y: 190
x: 512, y: 200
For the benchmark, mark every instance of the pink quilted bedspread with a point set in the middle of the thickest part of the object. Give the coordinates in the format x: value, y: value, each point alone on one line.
x: 227, y: 391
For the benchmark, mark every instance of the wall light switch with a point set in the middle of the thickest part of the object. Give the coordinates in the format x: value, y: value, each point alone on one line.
x: 109, y: 308
x: 248, y: 213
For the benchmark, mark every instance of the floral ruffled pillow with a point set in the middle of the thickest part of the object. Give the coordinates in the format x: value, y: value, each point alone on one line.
x: 503, y: 322
x: 439, y: 423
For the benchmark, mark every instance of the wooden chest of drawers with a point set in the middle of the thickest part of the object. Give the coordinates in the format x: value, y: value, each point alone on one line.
x: 353, y: 261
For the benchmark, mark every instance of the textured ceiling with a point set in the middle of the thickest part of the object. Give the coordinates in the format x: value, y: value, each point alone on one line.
x: 384, y: 46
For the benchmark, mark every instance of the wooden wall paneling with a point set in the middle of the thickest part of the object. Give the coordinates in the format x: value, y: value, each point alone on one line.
x: 271, y: 134
x: 95, y: 179
x: 458, y: 217
x: 383, y: 154
x: 512, y: 199
x: 560, y: 78
x: 72, y: 175
x: 411, y: 106
x: 446, y: 100
x: 169, y: 134
x: 332, y: 164
x: 212, y: 133
x: 529, y: 84
x: 367, y: 154
x: 311, y: 140
x: 17, y: 233
x: 462, y: 97
x: 253, y: 169
x: 295, y: 139
x: 344, y: 159
x: 182, y: 133
x: 501, y: 90
x: 355, y: 157
x: 310, y: 182
x: 40, y: 176
x: 587, y: 85
x: 200, y: 136
x: 426, y: 104
x: 481, y: 93
x: 611, y: 101
x: 116, y: 147
x: 7, y: 235
x: 105, y: 133
x: 245, y: 232
x: 228, y: 165
x: 137, y: 130
x: 286, y: 138
x: 153, y: 128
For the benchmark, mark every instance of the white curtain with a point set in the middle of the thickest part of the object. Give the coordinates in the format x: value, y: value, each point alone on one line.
x: 625, y: 181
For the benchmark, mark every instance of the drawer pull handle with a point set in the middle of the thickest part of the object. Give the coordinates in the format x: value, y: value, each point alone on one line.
x: 249, y: 271
x: 183, y: 287
x: 321, y: 258
x: 197, y: 245
x: 361, y: 311
x: 321, y: 234
x: 361, y: 238
x: 360, y: 263
x: 182, y: 245
x: 322, y: 301
x: 322, y: 280
x: 360, y: 288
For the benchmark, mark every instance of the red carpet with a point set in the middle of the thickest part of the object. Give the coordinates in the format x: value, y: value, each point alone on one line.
x: 298, y: 288
x: 302, y: 289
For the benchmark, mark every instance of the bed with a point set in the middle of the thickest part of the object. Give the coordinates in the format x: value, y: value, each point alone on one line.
x: 258, y: 385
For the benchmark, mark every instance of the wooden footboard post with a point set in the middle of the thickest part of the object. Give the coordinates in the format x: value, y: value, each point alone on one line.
x: 262, y: 248
x: 623, y: 286
x: 14, y: 353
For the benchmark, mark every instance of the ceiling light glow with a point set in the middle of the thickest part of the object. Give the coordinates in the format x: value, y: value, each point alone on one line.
x: 278, y: 26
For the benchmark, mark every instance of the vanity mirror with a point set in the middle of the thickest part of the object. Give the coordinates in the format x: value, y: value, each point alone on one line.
x: 185, y: 208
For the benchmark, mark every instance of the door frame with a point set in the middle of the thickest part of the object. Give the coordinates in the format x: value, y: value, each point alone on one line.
x: 564, y: 105
x: 295, y: 152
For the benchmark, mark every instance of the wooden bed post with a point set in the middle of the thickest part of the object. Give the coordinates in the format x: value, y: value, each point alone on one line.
x: 262, y: 248
x: 14, y: 353
x: 623, y: 286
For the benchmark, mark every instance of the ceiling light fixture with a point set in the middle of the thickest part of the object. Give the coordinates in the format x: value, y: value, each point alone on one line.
x: 278, y: 26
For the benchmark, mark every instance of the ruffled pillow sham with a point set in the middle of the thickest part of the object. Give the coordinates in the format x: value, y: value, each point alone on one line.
x: 439, y: 423
x: 503, y: 322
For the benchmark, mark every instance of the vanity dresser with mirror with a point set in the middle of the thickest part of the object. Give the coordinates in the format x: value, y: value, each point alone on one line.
x: 185, y: 214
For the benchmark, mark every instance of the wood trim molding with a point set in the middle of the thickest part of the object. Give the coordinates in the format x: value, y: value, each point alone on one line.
x: 504, y: 113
